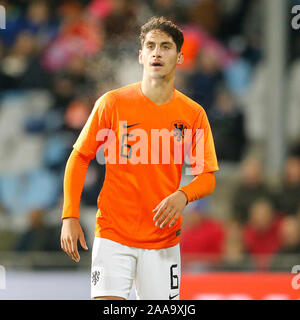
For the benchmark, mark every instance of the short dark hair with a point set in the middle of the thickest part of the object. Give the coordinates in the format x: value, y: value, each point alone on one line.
x: 164, y: 25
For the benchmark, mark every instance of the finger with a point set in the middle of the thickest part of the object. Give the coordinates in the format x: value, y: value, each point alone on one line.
x: 74, y: 248
x: 169, y: 218
x: 163, y: 216
x: 62, y: 244
x: 66, y: 248
x: 176, y: 217
x: 82, y: 241
x: 160, y: 211
x: 157, y: 207
x: 70, y: 249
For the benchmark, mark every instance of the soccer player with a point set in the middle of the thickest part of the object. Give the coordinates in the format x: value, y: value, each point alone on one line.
x: 139, y: 217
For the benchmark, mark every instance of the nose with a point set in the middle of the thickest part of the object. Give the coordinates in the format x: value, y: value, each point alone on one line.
x: 156, y: 52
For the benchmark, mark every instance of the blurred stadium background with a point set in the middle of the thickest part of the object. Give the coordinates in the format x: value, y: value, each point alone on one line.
x: 241, y: 63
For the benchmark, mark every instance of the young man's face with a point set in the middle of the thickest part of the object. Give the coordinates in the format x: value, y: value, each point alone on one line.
x: 159, y: 55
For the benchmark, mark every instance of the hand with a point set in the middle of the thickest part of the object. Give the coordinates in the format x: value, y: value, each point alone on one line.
x: 170, y: 208
x: 70, y: 233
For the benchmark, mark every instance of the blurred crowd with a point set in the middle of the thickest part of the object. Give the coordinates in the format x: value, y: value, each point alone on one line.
x: 58, y: 57
x: 264, y: 224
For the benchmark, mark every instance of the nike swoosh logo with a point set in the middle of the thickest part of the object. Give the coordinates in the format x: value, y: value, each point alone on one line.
x: 131, y: 125
x: 172, y: 297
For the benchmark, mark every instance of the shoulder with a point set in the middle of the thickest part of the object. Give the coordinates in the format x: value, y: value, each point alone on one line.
x: 109, y: 99
x: 125, y: 92
x: 189, y: 103
x: 192, y: 109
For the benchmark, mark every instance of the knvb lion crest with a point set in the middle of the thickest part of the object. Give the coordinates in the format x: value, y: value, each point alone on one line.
x: 95, y: 277
x: 179, y: 128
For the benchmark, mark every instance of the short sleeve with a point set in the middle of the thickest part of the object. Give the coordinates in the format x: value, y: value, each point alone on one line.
x: 99, y: 119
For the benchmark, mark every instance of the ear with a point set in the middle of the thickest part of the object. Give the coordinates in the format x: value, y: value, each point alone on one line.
x: 180, y: 58
x: 140, y: 57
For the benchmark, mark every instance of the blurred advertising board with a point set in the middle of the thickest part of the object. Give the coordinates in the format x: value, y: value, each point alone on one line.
x: 240, y: 286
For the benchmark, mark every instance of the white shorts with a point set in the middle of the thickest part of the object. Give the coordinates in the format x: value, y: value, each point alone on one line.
x: 116, y: 267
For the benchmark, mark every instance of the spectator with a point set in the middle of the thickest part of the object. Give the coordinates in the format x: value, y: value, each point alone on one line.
x: 78, y: 36
x: 41, y: 22
x: 63, y: 90
x: 77, y: 113
x: 250, y: 188
x: 289, y: 252
x: 190, y: 48
x: 21, y: 66
x: 290, y: 236
x: 288, y: 197
x: 234, y: 252
x: 232, y: 18
x: 203, y: 82
x: 205, y: 14
x: 99, y: 9
x: 262, y: 233
x: 227, y: 122
x: 202, y: 239
x: 121, y: 22
x: 76, y: 71
x: 170, y: 9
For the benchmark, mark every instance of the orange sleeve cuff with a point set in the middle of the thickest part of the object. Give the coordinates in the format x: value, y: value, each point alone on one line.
x: 74, y: 178
x: 199, y: 187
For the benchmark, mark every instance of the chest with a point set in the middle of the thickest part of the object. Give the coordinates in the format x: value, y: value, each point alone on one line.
x: 172, y: 119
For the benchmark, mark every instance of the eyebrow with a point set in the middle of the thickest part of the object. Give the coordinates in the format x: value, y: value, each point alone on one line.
x: 163, y: 43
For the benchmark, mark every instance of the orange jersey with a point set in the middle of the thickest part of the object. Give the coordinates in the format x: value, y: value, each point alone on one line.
x: 138, y: 179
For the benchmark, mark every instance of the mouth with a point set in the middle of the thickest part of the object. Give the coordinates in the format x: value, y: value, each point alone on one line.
x: 156, y: 64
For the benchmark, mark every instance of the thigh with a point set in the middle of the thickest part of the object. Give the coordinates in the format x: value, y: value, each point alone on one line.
x: 113, y: 269
x: 158, y: 274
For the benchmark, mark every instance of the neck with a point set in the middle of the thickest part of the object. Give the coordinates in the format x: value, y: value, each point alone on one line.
x: 160, y: 91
